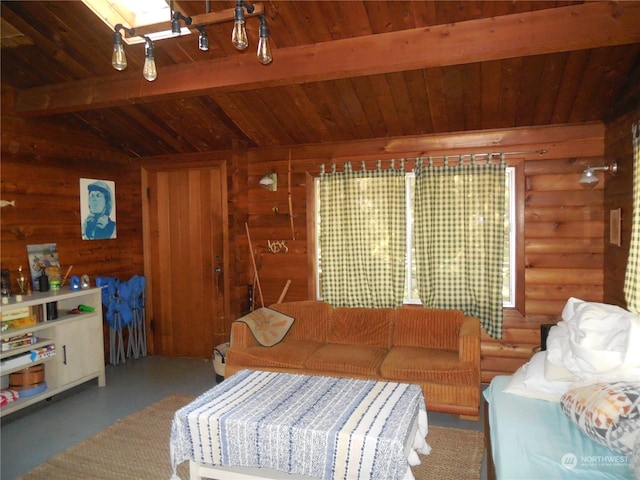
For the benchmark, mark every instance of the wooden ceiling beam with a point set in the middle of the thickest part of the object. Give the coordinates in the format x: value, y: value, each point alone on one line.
x: 576, y: 27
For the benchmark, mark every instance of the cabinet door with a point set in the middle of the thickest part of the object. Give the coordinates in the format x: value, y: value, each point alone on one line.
x: 79, y: 349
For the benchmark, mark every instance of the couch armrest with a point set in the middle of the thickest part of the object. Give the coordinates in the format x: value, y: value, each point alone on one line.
x: 469, y: 341
x: 241, y: 336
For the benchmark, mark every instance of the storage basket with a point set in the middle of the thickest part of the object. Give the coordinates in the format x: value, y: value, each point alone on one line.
x: 27, y: 378
x: 219, y: 354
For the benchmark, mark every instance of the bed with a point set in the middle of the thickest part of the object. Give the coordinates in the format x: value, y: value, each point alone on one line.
x: 533, y: 439
x: 573, y: 410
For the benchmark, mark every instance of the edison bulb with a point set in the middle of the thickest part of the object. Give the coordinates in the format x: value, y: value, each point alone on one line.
x: 149, y: 70
x: 239, y: 35
x: 118, y: 58
x: 264, y: 51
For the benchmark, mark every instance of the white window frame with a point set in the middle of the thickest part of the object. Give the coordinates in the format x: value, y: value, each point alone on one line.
x: 510, y: 185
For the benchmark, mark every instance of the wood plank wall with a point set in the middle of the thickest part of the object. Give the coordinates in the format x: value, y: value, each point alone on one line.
x: 42, y: 163
x: 619, y: 195
x: 561, y: 227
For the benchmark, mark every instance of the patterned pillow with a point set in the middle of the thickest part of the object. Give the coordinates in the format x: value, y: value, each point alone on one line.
x: 608, y: 413
x: 634, y: 461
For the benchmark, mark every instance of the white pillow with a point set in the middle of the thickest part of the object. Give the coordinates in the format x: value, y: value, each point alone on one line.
x: 529, y: 381
x: 554, y: 372
x: 558, y: 351
x: 593, y: 339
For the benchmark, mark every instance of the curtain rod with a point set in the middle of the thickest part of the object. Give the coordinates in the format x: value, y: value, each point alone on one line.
x: 462, y: 155
x: 539, y: 152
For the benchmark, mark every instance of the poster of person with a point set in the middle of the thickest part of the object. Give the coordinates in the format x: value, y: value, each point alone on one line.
x: 43, y: 258
x: 97, y: 209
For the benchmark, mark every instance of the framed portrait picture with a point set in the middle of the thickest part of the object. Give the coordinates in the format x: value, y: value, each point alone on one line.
x: 97, y: 209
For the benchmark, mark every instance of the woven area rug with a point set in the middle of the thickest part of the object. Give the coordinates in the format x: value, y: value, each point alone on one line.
x: 137, y: 448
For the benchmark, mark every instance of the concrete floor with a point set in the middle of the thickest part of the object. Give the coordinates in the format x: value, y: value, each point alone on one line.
x: 32, y: 435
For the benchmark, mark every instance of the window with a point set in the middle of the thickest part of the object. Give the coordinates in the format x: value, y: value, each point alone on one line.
x: 411, y: 290
x: 134, y: 13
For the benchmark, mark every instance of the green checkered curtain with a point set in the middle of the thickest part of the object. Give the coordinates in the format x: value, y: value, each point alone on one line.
x: 363, y: 236
x: 459, y: 237
x: 632, y: 276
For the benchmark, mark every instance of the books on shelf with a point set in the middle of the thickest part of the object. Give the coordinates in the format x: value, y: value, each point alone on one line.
x: 15, y: 313
x: 18, y: 341
x: 28, y: 357
x: 18, y: 318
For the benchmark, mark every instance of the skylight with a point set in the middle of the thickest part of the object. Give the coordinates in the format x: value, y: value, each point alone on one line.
x: 134, y: 13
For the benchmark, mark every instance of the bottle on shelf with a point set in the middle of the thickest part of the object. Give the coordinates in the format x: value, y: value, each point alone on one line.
x: 43, y: 281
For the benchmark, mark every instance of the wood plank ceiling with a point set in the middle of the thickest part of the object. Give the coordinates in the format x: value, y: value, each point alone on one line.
x: 342, y: 70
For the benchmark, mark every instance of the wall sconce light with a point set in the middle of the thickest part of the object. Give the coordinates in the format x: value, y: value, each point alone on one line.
x: 270, y: 182
x: 589, y: 179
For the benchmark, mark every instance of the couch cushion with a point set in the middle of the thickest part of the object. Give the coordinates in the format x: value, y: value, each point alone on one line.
x: 426, y: 327
x: 312, y: 319
x: 416, y: 364
x: 350, y: 359
x: 289, y: 354
x: 361, y: 326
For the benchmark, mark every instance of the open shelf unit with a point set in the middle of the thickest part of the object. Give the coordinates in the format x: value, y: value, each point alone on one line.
x: 77, y: 338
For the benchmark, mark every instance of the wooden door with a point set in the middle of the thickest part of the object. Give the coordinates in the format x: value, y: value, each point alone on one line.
x: 185, y: 260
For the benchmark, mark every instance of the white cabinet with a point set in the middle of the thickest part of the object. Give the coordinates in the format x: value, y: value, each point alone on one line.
x: 76, y: 336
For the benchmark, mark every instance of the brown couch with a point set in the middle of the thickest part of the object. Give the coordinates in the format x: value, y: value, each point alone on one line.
x: 437, y: 349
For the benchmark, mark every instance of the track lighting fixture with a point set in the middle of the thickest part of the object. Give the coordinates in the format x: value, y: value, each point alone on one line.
x: 589, y: 179
x: 119, y: 59
x: 199, y: 22
x: 149, y: 71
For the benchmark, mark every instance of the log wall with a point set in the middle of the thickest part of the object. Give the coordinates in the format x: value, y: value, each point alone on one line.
x: 562, y: 228
x: 42, y: 163
x: 560, y: 225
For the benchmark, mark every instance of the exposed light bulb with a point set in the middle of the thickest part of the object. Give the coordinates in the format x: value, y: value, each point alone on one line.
x: 203, y: 40
x: 264, y: 46
x: 149, y: 71
x: 118, y: 59
x: 239, y: 36
x: 239, y: 33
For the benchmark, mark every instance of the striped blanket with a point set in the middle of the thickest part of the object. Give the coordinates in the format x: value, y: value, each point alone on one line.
x: 329, y: 428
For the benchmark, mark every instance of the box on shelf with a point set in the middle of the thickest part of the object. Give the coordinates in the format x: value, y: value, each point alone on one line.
x: 19, y: 318
x: 18, y: 341
x: 28, y: 357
